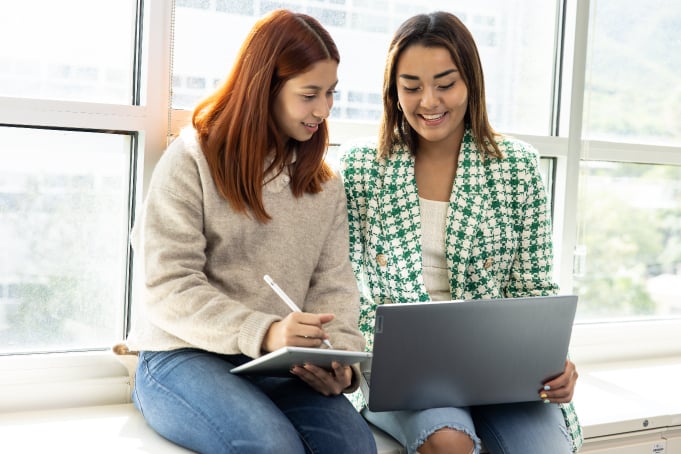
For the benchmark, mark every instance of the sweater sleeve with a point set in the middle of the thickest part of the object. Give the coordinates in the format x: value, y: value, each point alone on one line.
x: 179, y: 298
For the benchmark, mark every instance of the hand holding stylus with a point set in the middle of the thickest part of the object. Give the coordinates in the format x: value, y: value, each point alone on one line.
x: 289, y: 302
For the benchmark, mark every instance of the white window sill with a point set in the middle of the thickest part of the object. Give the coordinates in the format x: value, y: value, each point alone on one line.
x: 83, y: 401
x: 629, y: 396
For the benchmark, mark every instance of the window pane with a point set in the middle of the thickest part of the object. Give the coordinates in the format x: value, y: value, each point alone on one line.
x: 628, y: 264
x: 515, y: 41
x: 76, y: 50
x: 633, y: 83
x: 64, y: 200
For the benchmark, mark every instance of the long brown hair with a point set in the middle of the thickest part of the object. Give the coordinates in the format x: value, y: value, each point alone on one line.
x: 235, y: 124
x: 438, y: 29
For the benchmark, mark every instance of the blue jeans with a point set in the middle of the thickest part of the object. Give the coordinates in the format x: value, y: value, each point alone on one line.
x: 190, y: 397
x: 521, y: 428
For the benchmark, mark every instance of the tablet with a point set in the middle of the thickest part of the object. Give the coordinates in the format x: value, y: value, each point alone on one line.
x: 280, y: 362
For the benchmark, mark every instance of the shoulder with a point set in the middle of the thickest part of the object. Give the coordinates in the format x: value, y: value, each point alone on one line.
x: 517, y: 150
x: 520, y: 158
x: 358, y: 152
x: 184, y: 148
x: 333, y: 185
x: 181, y: 166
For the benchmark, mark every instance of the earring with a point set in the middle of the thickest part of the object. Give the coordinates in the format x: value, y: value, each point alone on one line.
x: 399, y: 107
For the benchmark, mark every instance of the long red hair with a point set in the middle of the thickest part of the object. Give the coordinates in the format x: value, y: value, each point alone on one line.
x: 235, y: 124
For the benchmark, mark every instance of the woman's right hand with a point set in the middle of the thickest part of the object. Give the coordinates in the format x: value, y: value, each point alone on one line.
x: 297, y: 329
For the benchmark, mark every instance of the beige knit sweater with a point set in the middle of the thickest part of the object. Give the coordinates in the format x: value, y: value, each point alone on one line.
x: 204, y: 263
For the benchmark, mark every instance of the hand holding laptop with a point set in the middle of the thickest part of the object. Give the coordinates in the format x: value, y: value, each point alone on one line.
x: 470, y: 344
x: 560, y: 389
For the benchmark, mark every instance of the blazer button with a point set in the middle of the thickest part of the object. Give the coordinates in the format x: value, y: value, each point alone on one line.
x: 488, y: 263
x: 381, y: 259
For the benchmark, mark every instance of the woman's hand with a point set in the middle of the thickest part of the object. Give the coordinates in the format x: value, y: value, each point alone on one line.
x: 298, y: 329
x: 327, y: 382
x: 561, y: 389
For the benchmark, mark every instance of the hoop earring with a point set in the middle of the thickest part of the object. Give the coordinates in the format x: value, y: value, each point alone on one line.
x: 399, y: 107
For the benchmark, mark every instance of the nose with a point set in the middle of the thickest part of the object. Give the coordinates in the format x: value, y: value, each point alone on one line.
x: 430, y: 98
x: 323, y: 108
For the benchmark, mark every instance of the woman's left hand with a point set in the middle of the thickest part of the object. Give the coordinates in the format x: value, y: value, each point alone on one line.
x: 327, y: 382
x: 562, y: 388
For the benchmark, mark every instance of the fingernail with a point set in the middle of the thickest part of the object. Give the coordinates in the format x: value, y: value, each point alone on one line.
x: 543, y: 395
x: 546, y: 401
x: 547, y: 388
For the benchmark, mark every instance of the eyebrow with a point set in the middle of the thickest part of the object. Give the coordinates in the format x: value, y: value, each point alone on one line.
x: 436, y: 76
x: 317, y: 87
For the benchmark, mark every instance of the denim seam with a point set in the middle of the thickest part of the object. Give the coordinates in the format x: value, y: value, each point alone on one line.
x: 428, y: 432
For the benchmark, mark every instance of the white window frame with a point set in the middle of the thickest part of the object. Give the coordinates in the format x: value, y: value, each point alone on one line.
x: 60, y: 379
x: 31, y: 381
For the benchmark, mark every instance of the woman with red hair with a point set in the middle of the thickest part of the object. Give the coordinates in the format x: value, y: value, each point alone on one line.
x: 242, y: 194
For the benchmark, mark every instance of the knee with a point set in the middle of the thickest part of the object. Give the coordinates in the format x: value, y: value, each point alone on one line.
x: 447, y: 440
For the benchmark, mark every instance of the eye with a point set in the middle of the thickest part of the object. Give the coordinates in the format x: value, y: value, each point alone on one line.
x: 446, y: 87
x: 309, y: 97
x: 410, y: 89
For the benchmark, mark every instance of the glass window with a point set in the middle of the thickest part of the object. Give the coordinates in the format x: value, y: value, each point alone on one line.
x: 628, y: 257
x: 75, y: 50
x: 515, y: 40
x: 633, y: 80
x: 628, y: 262
x: 64, y: 215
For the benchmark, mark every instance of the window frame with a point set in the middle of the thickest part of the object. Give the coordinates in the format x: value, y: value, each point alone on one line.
x: 95, y: 377
x: 154, y: 123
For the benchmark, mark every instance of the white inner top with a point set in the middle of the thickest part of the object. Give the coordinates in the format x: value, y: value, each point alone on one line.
x: 433, y: 222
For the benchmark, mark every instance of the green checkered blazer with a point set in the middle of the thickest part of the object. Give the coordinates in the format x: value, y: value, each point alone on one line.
x: 498, y: 230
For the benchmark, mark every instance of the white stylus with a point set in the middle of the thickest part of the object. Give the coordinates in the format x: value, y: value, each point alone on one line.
x: 284, y: 297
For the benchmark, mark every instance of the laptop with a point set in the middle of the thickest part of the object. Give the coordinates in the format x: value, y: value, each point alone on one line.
x: 461, y: 353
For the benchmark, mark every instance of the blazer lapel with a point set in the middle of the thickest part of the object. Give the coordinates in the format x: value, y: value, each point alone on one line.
x: 400, y: 215
x: 466, y: 208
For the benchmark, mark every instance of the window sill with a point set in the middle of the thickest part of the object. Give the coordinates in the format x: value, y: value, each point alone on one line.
x: 61, y: 396
x: 628, y: 396
x: 62, y: 380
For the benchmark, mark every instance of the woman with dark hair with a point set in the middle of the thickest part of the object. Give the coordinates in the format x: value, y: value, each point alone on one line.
x: 242, y: 194
x: 445, y: 208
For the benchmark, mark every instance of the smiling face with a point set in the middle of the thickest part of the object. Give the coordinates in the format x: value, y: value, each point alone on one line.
x: 432, y: 94
x: 305, y: 101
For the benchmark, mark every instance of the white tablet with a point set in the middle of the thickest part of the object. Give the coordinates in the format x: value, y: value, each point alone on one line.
x: 280, y: 362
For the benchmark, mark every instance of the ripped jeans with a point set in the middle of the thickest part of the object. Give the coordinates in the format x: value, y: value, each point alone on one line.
x: 526, y: 428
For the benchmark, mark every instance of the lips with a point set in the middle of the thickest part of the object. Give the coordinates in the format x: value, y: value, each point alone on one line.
x: 433, y: 117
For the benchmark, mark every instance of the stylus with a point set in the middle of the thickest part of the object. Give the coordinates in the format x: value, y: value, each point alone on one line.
x: 289, y: 302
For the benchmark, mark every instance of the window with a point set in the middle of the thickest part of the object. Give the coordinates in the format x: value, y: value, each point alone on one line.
x: 630, y: 251
x: 628, y: 255
x: 64, y: 217
x: 516, y: 43
x: 634, y: 73
x: 85, y: 55
x: 70, y: 124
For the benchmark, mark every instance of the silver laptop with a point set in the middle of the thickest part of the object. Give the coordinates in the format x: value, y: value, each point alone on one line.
x: 460, y: 353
